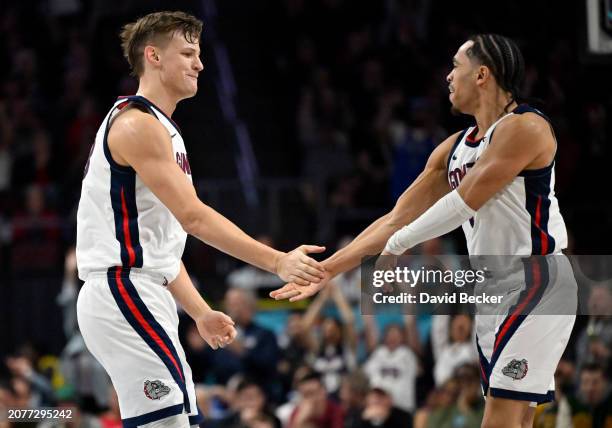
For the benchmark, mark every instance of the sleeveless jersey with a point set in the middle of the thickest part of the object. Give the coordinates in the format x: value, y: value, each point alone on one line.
x: 120, y: 222
x: 521, y: 219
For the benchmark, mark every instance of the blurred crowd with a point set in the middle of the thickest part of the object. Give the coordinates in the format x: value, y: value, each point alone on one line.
x: 362, y: 89
x: 323, y: 366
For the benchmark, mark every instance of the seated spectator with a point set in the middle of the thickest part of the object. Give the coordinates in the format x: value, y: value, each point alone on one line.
x: 592, y: 405
x: 353, y: 391
x: 594, y: 344
x: 379, y: 412
x: 558, y: 413
x: 314, y: 408
x: 254, y: 352
x: 249, y: 408
x: 460, y: 349
x: 468, y: 409
x: 297, y: 346
x: 394, y: 367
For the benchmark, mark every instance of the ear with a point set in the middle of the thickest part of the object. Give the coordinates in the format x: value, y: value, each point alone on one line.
x: 482, y: 74
x: 151, y: 54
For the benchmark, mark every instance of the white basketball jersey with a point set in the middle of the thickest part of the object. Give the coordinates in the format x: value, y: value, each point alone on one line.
x: 120, y: 222
x: 521, y: 219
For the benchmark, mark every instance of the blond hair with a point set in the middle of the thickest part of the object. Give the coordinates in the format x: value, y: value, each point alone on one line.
x: 157, y: 28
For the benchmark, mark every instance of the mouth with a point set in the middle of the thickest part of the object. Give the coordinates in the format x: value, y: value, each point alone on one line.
x: 451, y: 89
x: 195, y: 78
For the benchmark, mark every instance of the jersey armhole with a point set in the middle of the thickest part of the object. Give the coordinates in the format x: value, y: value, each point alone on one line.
x: 452, y: 150
x: 129, y: 103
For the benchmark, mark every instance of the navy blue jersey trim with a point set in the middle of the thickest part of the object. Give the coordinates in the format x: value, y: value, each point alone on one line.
x: 156, y: 415
x: 123, y: 190
x: 485, y: 372
x: 537, y: 172
x: 523, y: 396
x: 114, y: 165
x: 179, y: 377
x: 196, y: 419
x: 536, y: 281
x: 537, y: 204
x: 149, y: 104
x: 452, y: 150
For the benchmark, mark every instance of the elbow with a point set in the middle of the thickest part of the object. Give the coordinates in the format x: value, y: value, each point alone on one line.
x: 191, y: 223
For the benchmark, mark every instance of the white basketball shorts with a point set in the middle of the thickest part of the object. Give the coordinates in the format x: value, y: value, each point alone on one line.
x: 129, y: 323
x: 520, y: 346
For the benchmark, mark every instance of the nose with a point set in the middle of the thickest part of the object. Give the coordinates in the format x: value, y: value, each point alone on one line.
x: 449, y: 77
x: 198, y: 64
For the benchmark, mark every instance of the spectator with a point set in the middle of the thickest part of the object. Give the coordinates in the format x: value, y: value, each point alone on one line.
x: 394, y: 366
x: 592, y: 405
x: 249, y: 408
x: 379, y: 412
x: 255, y: 351
x: 594, y: 343
x: 314, y: 408
x: 297, y: 346
x: 336, y: 347
x: 458, y: 350
x: 353, y: 392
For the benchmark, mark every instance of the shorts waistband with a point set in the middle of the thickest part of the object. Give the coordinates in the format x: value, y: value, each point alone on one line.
x: 132, y: 273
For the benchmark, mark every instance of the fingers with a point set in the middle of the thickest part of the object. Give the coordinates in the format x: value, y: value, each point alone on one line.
x: 287, y: 294
x: 300, y: 296
x: 299, y: 281
x: 311, y: 249
x: 309, y: 274
x: 313, y: 267
x: 227, y: 319
x: 283, y: 289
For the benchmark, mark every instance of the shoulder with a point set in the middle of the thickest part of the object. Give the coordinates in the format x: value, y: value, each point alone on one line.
x: 136, y: 123
x: 135, y: 133
x: 527, y: 124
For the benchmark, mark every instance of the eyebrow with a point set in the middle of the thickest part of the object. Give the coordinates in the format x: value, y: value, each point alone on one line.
x: 189, y: 48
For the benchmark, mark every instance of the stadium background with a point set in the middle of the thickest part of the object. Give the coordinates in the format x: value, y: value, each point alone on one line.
x: 311, y: 118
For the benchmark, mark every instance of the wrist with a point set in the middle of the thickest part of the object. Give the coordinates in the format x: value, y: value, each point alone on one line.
x: 276, y: 262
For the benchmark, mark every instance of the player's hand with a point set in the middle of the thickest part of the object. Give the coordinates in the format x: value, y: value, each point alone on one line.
x: 216, y: 328
x: 298, y: 268
x: 295, y: 292
x: 386, y: 262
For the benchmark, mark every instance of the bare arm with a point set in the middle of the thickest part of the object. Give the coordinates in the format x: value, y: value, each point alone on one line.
x: 429, y: 186
x: 346, y: 315
x: 521, y: 142
x: 216, y: 328
x: 139, y: 140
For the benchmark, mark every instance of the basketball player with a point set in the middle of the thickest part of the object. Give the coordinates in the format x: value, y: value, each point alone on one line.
x: 137, y: 206
x: 495, y: 178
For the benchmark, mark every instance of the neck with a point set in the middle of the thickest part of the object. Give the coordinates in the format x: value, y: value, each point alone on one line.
x: 158, y: 95
x: 491, y: 109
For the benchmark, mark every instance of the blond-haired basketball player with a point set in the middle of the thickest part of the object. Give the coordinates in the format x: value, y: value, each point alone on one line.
x: 137, y: 206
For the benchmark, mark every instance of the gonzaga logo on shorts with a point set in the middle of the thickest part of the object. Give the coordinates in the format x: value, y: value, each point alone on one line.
x: 155, y: 389
x: 516, y: 369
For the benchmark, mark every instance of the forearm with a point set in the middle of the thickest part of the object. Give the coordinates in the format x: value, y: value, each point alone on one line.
x: 217, y: 231
x: 186, y: 295
x: 444, y: 216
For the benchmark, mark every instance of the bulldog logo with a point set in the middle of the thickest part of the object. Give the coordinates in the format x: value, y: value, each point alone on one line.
x: 155, y: 389
x: 516, y: 369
